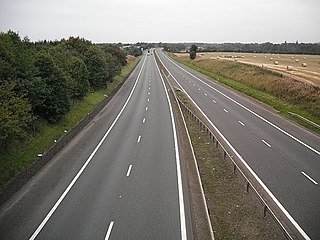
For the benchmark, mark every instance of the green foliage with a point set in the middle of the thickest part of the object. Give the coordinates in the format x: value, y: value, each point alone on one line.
x: 56, y: 103
x: 15, y: 115
x: 48, y: 74
x: 116, y: 52
x: 134, y: 51
x: 193, y: 55
x: 193, y: 51
x: 77, y: 82
x: 173, y: 47
x: 97, y: 67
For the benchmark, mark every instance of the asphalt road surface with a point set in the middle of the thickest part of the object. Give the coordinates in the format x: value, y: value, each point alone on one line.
x: 120, y: 178
x: 285, y: 156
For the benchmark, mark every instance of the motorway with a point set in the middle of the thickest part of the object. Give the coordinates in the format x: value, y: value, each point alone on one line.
x: 285, y: 156
x: 120, y: 178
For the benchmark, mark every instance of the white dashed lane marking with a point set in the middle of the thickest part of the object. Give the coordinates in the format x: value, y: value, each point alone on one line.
x: 129, y: 171
x: 266, y: 143
x: 310, y: 178
x: 241, y: 123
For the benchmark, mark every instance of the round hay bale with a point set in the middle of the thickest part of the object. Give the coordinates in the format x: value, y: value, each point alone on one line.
x: 289, y: 68
x: 297, y: 60
x: 304, y: 64
x: 292, y: 57
x: 276, y: 63
x: 271, y: 59
x: 304, y: 58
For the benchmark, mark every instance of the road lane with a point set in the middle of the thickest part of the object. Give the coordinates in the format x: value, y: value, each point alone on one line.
x: 129, y: 188
x: 275, y: 149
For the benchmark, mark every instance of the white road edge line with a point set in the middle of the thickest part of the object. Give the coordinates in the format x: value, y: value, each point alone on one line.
x: 183, y: 228
x: 266, y: 143
x: 129, y: 170
x: 310, y: 178
x: 249, y: 110
x: 139, y: 138
x: 242, y: 123
x: 56, y: 205
x: 109, y: 230
x: 291, y: 219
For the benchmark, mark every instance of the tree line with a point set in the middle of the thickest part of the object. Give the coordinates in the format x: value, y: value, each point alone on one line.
x: 40, y: 80
x: 281, y: 48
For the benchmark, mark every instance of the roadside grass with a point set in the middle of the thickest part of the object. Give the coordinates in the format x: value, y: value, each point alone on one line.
x: 24, y: 154
x: 234, y: 213
x: 283, y: 94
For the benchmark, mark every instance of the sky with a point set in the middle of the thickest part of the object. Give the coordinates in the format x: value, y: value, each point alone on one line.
x: 130, y: 21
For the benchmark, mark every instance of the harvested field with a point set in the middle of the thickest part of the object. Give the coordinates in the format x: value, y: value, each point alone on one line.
x: 309, y: 74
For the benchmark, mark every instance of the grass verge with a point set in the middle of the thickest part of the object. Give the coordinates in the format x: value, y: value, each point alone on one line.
x: 234, y: 213
x: 25, y: 154
x: 283, y: 107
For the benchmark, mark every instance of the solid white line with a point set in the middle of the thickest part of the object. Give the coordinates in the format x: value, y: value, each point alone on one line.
x: 129, y: 170
x: 291, y: 219
x: 183, y: 228
x: 241, y: 123
x: 214, y: 101
x: 109, y: 230
x: 143, y: 120
x: 310, y: 178
x: 225, y: 110
x: 205, y: 94
x: 265, y: 142
x: 249, y: 110
x: 139, y: 138
x: 56, y: 205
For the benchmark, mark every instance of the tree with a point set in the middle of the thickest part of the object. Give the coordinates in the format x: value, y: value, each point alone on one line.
x: 77, y: 82
x: 193, y: 52
x: 117, y: 52
x: 97, y: 67
x: 15, y: 115
x: 55, y: 104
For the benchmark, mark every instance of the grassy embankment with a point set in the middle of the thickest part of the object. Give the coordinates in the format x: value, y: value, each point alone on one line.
x: 280, y: 92
x: 235, y: 214
x: 17, y: 159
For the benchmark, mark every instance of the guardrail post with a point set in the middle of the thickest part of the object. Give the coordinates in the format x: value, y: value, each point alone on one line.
x: 248, y: 186
x: 234, y: 168
x: 224, y: 155
x: 217, y: 144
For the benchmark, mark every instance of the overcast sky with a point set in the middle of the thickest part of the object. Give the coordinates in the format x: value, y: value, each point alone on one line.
x: 164, y: 20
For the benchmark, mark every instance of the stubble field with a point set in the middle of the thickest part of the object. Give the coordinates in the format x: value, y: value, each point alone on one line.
x: 288, y: 64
